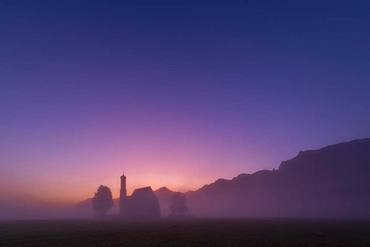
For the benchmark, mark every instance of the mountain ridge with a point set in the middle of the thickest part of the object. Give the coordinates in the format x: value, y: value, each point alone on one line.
x: 300, y: 154
x: 326, y: 182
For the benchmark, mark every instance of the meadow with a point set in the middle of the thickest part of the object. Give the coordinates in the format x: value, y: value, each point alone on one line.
x: 195, y: 232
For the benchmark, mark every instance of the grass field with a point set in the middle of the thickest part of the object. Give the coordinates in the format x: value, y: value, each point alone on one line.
x: 185, y: 233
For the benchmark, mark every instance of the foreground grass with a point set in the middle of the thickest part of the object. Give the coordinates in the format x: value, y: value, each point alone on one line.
x: 185, y: 233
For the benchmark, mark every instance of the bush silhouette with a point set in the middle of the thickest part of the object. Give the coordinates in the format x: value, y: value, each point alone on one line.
x: 102, y: 201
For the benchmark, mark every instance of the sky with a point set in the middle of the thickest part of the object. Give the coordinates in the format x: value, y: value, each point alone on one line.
x: 174, y: 93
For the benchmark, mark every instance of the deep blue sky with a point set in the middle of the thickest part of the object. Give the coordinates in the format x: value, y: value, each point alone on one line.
x: 177, y: 93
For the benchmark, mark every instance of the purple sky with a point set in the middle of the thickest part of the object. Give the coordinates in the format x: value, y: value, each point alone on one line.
x: 175, y: 93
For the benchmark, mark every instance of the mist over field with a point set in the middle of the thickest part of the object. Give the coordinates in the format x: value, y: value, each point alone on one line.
x: 184, y: 123
x: 331, y: 182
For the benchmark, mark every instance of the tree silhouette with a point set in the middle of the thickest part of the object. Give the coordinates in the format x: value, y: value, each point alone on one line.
x: 102, y: 200
x: 178, y: 205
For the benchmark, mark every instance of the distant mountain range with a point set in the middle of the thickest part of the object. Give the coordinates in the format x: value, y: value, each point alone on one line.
x: 332, y: 182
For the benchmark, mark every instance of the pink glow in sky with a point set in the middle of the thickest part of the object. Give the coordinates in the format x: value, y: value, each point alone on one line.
x: 63, y: 170
x: 176, y: 94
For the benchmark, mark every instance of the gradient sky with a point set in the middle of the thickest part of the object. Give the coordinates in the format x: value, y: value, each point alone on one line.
x: 175, y: 93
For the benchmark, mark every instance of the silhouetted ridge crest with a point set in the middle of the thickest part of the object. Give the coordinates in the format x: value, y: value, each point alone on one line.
x: 331, y: 182
x: 339, y: 157
x: 163, y: 190
x: 328, y: 182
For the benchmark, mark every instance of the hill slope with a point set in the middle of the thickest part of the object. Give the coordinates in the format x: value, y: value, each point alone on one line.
x: 330, y: 182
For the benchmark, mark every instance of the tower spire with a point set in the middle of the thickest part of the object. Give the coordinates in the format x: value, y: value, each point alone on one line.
x: 123, y: 194
x: 123, y: 191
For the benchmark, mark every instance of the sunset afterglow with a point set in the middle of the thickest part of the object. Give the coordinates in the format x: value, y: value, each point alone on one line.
x: 175, y: 95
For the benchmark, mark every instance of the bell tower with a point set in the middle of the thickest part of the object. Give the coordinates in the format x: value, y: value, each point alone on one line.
x: 123, y: 195
x: 123, y: 192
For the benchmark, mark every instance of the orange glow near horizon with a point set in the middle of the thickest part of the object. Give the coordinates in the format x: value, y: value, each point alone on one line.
x: 73, y: 187
x: 70, y: 170
x: 66, y: 194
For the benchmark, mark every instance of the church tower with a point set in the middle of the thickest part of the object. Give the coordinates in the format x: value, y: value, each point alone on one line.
x: 123, y: 195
